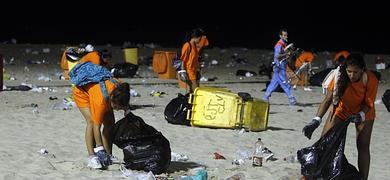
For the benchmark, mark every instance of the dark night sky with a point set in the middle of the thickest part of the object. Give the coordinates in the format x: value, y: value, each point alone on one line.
x: 333, y: 31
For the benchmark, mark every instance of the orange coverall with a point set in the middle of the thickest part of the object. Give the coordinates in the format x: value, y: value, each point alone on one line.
x: 91, y: 94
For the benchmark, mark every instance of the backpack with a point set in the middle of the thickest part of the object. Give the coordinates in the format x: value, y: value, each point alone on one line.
x: 177, y: 62
x: 74, y: 54
x: 176, y: 110
x: 333, y: 74
x: 87, y: 72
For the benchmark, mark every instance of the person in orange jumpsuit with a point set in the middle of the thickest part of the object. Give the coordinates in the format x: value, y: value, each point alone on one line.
x: 302, y: 65
x: 340, y: 57
x: 355, y: 95
x: 97, y: 111
x: 189, y: 55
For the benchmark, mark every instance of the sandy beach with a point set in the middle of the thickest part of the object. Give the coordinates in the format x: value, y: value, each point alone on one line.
x: 24, y: 132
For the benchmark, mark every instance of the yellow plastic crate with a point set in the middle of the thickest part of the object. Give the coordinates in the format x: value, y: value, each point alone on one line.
x: 131, y: 55
x: 221, y: 108
x: 256, y: 113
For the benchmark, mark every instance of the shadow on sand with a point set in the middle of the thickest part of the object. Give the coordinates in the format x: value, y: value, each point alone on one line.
x: 279, y: 129
x: 134, y: 107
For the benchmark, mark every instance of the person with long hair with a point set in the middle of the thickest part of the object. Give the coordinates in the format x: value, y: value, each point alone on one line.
x: 189, y: 55
x: 353, y: 94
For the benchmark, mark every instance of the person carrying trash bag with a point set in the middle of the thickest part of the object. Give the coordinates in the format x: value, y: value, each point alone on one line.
x: 144, y: 148
x: 325, y: 159
x: 353, y: 95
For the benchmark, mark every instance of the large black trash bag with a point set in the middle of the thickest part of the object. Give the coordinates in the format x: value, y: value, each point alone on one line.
x: 176, y: 110
x: 325, y: 159
x: 144, y: 148
x: 386, y: 99
x: 124, y: 70
x: 318, y: 78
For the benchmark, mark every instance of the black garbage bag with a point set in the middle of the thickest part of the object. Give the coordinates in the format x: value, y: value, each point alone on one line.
x: 144, y: 148
x: 176, y: 110
x: 318, y: 78
x: 19, y: 88
x: 124, y: 70
x: 325, y: 159
x: 242, y: 72
x: 386, y: 99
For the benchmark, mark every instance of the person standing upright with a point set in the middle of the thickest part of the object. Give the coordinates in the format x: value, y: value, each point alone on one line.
x: 279, y: 76
x: 189, y: 55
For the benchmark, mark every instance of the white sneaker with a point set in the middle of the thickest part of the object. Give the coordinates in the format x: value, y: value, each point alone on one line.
x: 295, y: 87
x: 307, y: 89
x: 94, y: 163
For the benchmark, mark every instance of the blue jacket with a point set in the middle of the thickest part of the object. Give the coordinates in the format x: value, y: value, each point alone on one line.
x: 88, y: 72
